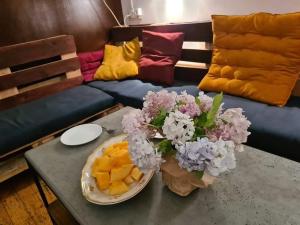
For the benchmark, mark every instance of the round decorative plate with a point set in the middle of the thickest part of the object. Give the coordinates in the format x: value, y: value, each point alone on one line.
x: 81, y: 134
x: 88, y: 183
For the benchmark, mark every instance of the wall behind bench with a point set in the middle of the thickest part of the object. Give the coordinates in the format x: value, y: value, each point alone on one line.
x: 88, y: 20
x: 160, y: 11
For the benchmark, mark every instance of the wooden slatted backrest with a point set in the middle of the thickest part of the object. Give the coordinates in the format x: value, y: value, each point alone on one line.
x: 196, y: 50
x: 31, y: 70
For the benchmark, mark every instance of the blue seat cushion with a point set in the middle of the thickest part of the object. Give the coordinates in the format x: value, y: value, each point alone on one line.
x: 190, y: 89
x: 28, y: 122
x: 132, y: 92
x: 273, y: 129
x: 127, y: 92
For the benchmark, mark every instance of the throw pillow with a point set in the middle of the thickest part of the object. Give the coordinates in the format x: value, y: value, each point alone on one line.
x: 255, y: 56
x: 89, y: 63
x: 160, y: 53
x: 119, y: 62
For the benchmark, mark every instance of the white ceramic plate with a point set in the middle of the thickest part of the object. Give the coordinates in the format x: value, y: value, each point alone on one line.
x: 88, y: 183
x: 81, y: 134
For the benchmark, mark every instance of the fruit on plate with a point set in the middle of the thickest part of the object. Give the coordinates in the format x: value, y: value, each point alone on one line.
x: 103, y: 180
x: 114, y: 170
x: 120, y: 173
x: 115, y: 148
x: 128, y: 180
x: 102, y: 164
x: 118, y: 188
x: 136, y: 174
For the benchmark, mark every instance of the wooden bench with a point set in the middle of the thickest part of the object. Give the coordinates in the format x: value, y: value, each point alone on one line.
x: 30, y: 71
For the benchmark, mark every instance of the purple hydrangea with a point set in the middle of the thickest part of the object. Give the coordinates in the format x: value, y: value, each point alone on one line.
x: 187, y: 105
x: 231, y: 125
x: 134, y: 122
x: 143, y: 153
x: 205, y: 102
x: 204, y: 155
x: 213, y: 152
x: 156, y: 101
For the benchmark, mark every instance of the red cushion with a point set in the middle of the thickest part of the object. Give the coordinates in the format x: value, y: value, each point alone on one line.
x: 89, y: 63
x: 160, y: 53
x: 157, y: 69
x: 166, y: 44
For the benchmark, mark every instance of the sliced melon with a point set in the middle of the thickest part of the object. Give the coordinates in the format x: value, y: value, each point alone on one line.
x: 136, y: 173
x: 111, y: 151
x: 118, y: 188
x: 120, y: 173
x: 128, y: 180
x: 123, y: 144
x: 121, y: 157
x: 103, y: 180
x: 102, y: 164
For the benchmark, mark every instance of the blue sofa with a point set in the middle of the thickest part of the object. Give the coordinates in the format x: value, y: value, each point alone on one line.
x: 273, y: 129
x: 28, y: 122
x: 31, y: 121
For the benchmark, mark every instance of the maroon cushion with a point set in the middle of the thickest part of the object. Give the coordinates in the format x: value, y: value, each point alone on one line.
x: 89, y: 63
x: 160, y: 53
x: 163, y: 44
x: 158, y: 69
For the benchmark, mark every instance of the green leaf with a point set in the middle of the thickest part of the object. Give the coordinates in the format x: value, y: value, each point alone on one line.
x: 165, y: 147
x: 159, y: 120
x: 199, y: 132
x: 197, y: 100
x: 199, y: 123
x: 211, y: 115
x: 199, y: 174
x: 200, y: 120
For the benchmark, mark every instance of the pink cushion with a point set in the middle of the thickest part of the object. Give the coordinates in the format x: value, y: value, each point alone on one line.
x: 89, y: 63
x: 161, y: 51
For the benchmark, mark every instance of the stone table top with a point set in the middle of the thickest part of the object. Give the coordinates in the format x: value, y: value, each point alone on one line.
x: 263, y: 189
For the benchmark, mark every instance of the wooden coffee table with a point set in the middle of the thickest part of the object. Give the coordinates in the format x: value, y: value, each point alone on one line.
x: 263, y: 189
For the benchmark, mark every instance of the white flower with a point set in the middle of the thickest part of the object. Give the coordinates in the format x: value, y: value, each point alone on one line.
x: 239, y: 148
x: 143, y: 153
x: 223, y: 160
x: 178, y: 128
x: 205, y: 155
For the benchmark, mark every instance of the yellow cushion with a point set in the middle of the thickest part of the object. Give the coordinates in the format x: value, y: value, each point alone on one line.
x: 119, y: 61
x: 255, y: 56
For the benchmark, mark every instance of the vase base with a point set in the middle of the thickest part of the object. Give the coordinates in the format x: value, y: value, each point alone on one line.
x: 180, y: 181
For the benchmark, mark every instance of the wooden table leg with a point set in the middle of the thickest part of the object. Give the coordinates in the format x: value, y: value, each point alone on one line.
x: 40, y: 189
x: 56, y: 210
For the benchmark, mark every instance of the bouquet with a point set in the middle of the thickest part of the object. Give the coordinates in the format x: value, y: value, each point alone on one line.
x: 196, y: 131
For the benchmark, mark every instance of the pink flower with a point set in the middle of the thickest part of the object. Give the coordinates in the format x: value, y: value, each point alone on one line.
x: 134, y: 122
x: 205, y: 102
x: 156, y: 101
x: 187, y: 105
x: 231, y: 125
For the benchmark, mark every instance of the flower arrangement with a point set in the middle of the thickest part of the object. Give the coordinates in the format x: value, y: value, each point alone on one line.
x: 197, y: 131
